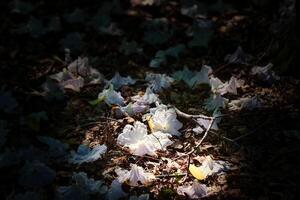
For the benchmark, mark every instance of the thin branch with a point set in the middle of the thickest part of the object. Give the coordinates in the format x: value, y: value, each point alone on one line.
x: 188, y: 116
x: 170, y: 175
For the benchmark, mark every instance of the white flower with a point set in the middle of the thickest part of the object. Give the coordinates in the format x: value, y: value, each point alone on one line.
x: 203, y: 123
x: 208, y: 168
x: 135, y: 176
x: 165, y: 120
x: 140, y: 143
x: 215, y: 101
x: 217, y: 86
x: 248, y: 103
x: 111, y: 97
x: 134, y: 108
x: 195, y: 191
x: 158, y: 81
x: 148, y: 98
x: 119, y: 81
x: 202, y: 76
x: 115, y: 191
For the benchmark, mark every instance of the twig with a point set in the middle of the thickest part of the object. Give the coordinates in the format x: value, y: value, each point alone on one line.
x: 170, y: 175
x: 204, y: 136
x: 188, y: 116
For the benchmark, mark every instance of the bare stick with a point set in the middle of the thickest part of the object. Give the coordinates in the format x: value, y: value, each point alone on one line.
x: 184, y: 115
x: 170, y: 175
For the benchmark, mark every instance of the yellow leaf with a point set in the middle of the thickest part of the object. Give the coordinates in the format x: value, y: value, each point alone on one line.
x: 150, y: 123
x: 197, y: 172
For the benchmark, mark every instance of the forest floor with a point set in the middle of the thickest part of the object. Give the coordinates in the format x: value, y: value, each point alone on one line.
x: 258, y: 140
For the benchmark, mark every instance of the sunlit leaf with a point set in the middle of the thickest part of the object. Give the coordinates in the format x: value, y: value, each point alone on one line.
x: 208, y: 168
x: 196, y: 172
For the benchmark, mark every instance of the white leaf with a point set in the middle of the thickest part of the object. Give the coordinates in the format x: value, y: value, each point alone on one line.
x: 135, y: 176
x: 165, y: 120
x: 111, y: 97
x: 194, y: 191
